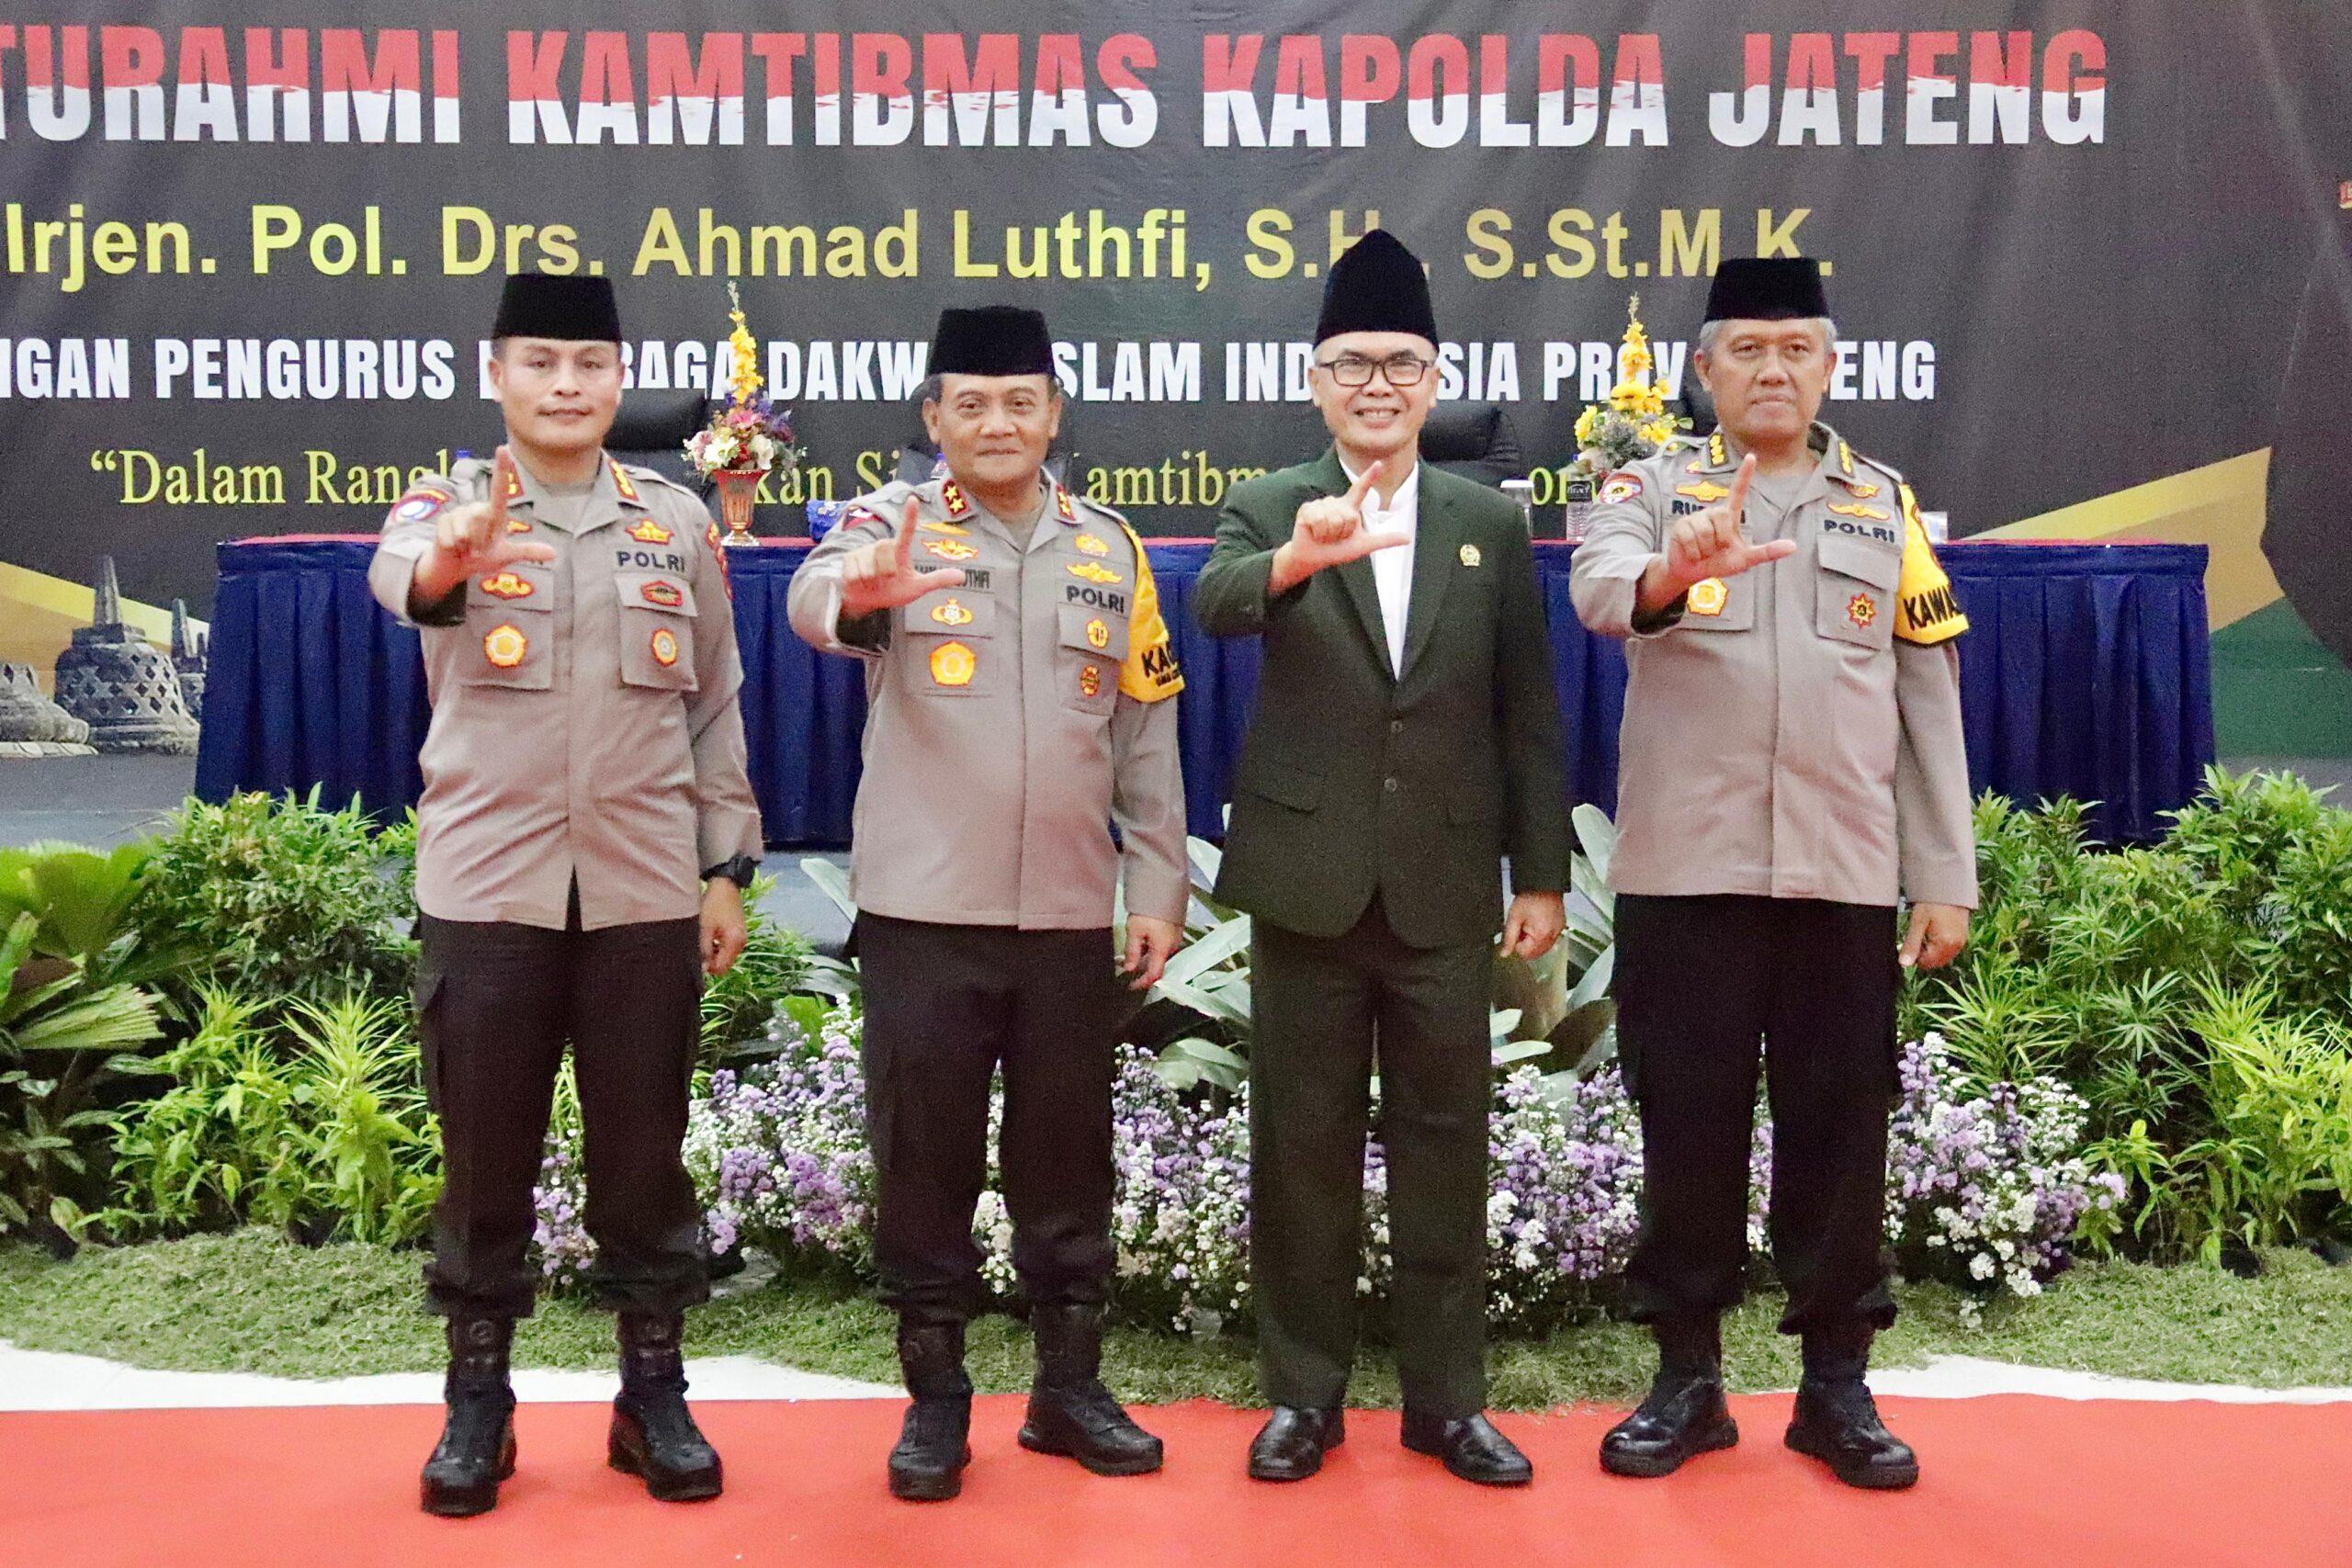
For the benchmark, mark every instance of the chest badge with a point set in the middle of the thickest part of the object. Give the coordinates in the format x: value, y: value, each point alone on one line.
x: 1709, y: 598
x: 505, y: 647
x: 1862, y: 491
x: 508, y: 585
x: 1098, y: 634
x: 1091, y: 546
x: 1706, y: 492
x: 1470, y: 556
x: 1090, y: 680
x: 1094, y: 573
x: 953, y: 614
x: 666, y: 594
x: 666, y: 648
x: 651, y: 532
x: 1873, y: 512
x: 950, y: 550
x: 1861, y: 609
x: 953, y: 664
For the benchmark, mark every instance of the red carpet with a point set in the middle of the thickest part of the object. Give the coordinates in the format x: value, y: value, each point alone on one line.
x: 2009, y: 1480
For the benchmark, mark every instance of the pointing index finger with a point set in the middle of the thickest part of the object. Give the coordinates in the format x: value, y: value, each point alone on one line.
x: 1364, y: 481
x: 1737, y: 504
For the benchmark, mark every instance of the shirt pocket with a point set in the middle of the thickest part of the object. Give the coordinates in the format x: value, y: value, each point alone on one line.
x: 1094, y: 647
x: 509, y: 628
x: 1855, y: 593
x: 948, y: 640
x: 657, y: 630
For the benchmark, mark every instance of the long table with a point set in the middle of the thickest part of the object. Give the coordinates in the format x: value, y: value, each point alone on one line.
x: 2086, y: 674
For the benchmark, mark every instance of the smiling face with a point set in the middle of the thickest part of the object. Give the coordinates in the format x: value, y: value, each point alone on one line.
x: 1768, y: 378
x: 994, y: 431
x: 1379, y: 419
x: 558, y: 395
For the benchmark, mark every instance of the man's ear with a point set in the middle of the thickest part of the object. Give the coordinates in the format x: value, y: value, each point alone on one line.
x: 1701, y: 366
x: 1054, y: 415
x: 931, y: 418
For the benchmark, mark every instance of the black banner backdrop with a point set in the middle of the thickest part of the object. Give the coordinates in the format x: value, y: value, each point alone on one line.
x: 249, y: 258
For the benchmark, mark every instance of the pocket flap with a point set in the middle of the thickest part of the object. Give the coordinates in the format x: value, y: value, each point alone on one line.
x: 1096, y: 632
x: 1281, y: 783
x: 1873, y: 564
x: 665, y: 592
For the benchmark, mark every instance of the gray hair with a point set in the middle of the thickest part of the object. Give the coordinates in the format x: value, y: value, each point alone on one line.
x: 1709, y: 332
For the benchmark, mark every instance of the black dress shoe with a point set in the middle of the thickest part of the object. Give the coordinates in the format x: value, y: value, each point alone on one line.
x: 1838, y: 1424
x: 1684, y: 1416
x: 653, y: 1436
x: 1070, y: 1412
x: 1470, y: 1448
x: 477, y: 1446
x: 1291, y: 1444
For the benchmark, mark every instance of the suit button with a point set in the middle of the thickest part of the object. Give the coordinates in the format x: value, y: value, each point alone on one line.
x: 1395, y: 726
x: 1388, y: 784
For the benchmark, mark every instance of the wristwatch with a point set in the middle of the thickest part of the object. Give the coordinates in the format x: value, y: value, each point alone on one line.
x: 739, y: 871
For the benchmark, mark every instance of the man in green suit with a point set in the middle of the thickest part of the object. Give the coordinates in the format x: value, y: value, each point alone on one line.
x: 1407, y: 737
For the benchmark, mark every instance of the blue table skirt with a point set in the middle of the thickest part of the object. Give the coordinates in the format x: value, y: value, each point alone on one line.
x: 2086, y: 674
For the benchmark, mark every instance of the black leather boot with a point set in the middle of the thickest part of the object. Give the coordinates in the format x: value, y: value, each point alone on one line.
x: 476, y: 1448
x: 934, y: 1440
x: 1070, y: 1412
x: 1685, y: 1414
x: 1837, y: 1421
x: 654, y: 1435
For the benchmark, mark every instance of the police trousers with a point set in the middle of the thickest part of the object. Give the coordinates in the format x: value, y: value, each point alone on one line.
x: 1326, y: 1010
x: 1710, y: 990
x: 946, y: 1007
x: 497, y: 1003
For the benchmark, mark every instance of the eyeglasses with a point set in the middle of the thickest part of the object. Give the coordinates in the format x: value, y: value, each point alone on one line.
x: 1355, y: 370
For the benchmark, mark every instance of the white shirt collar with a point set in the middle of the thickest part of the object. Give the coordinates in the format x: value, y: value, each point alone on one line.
x: 1407, y: 501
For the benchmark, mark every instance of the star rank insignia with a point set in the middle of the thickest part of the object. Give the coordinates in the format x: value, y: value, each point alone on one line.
x: 508, y: 585
x: 505, y: 647
x: 1861, y: 610
x: 666, y: 648
x: 1708, y: 598
x: 627, y: 487
x: 953, y: 664
x: 951, y: 550
x: 651, y: 532
x: 950, y: 496
x: 1068, y: 512
x: 1091, y: 546
x: 514, y: 485
x: 1094, y: 573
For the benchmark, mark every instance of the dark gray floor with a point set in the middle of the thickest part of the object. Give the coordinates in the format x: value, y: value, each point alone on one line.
x: 104, y: 801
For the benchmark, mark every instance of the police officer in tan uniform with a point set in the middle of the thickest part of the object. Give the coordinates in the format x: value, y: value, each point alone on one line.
x: 584, y: 836
x: 1020, y: 699
x: 1793, y: 770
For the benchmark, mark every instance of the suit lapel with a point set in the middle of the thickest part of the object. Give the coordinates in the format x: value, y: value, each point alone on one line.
x: 1436, y: 542
x: 1355, y: 576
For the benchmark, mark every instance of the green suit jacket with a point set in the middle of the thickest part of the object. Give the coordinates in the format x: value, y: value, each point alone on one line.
x: 1354, y: 781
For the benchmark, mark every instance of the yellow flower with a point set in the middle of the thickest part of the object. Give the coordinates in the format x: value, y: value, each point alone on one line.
x: 1587, y: 423
x: 1637, y: 360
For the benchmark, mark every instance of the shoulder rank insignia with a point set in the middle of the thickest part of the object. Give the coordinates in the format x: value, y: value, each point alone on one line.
x: 1062, y: 508
x: 950, y: 528
x: 1873, y: 512
x: 508, y: 585
x: 950, y: 496
x: 951, y: 550
x: 1717, y: 455
x: 417, y: 508
x: 952, y: 664
x: 1705, y: 491
x: 648, y: 532
x: 666, y: 594
x: 623, y: 483
x: 953, y: 614
x: 514, y: 484
x: 1090, y: 680
x: 1091, y: 545
x: 505, y: 647
x: 1470, y: 556
x: 1708, y: 598
x: 1845, y: 459
x: 1094, y: 572
x: 1621, y: 487
x: 1098, y: 635
x: 1861, y: 609
x: 666, y: 648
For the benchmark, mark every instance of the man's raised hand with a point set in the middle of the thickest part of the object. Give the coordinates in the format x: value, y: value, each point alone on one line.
x: 471, y: 539
x: 881, y: 575
x: 1328, y: 530
x: 1714, y: 543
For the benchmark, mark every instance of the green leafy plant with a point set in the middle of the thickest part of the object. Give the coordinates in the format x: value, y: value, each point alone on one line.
x: 775, y: 966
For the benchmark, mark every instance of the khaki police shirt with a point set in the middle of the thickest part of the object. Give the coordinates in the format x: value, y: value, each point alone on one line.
x: 1011, y: 720
x: 1792, y: 732
x: 584, y: 715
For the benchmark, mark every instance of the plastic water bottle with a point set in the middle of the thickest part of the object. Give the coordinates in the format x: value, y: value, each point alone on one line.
x: 1578, y: 509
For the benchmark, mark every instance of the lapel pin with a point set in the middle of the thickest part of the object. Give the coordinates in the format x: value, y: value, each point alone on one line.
x: 1470, y: 555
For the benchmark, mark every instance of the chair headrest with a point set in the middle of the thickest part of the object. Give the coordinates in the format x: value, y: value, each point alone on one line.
x: 1460, y: 432
x: 651, y: 421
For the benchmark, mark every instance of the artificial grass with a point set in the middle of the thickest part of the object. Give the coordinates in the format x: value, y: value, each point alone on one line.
x: 253, y: 1302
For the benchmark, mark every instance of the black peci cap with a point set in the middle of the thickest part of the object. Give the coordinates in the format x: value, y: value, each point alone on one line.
x: 574, y: 308
x: 1760, y: 289
x: 1376, y: 285
x: 991, y: 339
